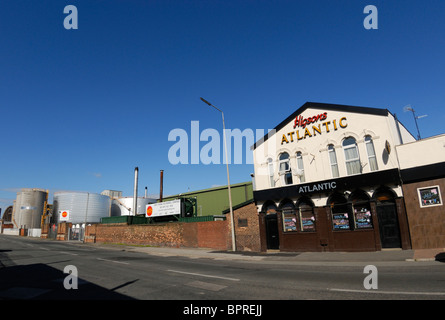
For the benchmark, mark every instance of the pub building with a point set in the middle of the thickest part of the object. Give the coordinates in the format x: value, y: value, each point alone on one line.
x: 327, y: 178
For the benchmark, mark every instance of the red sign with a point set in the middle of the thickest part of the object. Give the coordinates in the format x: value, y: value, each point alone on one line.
x: 302, y: 122
x: 149, y: 211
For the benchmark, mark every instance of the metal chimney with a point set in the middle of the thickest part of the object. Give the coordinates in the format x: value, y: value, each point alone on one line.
x: 135, y: 193
x: 161, y: 186
x: 145, y: 192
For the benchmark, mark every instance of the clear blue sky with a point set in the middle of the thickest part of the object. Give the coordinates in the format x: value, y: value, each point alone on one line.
x: 81, y: 108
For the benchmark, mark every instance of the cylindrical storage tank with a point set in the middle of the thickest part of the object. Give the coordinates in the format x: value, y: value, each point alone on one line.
x: 29, y: 207
x: 124, y: 206
x: 83, y: 207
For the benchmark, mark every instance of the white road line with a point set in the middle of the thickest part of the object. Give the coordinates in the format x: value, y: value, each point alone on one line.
x: 390, y: 292
x: 72, y: 254
x: 112, y: 261
x: 204, y: 275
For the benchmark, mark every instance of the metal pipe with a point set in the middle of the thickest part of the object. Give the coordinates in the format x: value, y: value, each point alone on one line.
x: 135, y: 192
x: 161, y: 187
x: 145, y: 193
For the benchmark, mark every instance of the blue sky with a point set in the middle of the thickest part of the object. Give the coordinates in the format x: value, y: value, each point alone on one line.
x: 81, y: 108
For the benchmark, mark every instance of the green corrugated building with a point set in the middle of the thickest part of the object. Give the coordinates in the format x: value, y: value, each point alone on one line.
x: 214, y: 201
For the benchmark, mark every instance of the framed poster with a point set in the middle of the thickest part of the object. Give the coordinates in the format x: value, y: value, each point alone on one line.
x: 340, y: 221
x: 429, y: 196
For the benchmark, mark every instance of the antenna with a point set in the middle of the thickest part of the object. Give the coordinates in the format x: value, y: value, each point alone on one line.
x: 409, y: 108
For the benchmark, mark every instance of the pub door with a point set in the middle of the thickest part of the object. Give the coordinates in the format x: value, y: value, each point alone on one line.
x: 272, y: 239
x: 388, y: 225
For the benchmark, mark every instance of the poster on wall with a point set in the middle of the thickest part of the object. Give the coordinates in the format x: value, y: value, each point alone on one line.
x: 290, y: 222
x: 340, y: 221
x: 363, y: 218
x: 429, y: 196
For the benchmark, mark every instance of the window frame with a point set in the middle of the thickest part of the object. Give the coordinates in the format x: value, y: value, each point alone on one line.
x: 370, y: 142
x: 331, y: 150
x: 351, y: 160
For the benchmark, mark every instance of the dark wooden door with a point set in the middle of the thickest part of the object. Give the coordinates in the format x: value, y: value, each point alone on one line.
x: 388, y: 225
x: 273, y: 241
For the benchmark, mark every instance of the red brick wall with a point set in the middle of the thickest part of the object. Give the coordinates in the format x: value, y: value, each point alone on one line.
x: 248, y: 236
x: 211, y: 234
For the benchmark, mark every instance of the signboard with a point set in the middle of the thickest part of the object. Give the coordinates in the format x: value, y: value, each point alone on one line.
x: 363, y: 218
x: 340, y: 221
x: 167, y: 208
x: 429, y: 196
x: 64, y: 215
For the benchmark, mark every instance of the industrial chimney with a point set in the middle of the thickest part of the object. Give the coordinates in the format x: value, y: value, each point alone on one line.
x: 135, y: 193
x: 161, y: 186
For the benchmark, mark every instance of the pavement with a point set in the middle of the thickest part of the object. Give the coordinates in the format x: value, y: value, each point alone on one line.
x: 389, y: 256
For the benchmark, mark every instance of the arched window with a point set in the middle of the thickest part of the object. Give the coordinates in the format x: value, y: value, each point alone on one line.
x: 300, y: 167
x: 333, y: 161
x: 340, y: 212
x: 285, y: 170
x: 289, y: 217
x: 271, y: 172
x: 306, y: 215
x: 371, y: 154
x: 362, y: 210
x: 351, y: 156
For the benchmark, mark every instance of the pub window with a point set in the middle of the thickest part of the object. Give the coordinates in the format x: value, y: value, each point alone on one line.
x: 307, y: 216
x: 333, y: 161
x: 300, y: 167
x: 289, y: 217
x: 362, y: 211
x: 371, y: 154
x: 285, y: 170
x: 271, y: 172
x: 352, y: 156
x: 340, y: 213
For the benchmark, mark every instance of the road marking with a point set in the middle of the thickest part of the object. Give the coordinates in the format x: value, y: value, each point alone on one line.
x: 71, y: 254
x: 390, y: 292
x: 204, y: 275
x: 42, y: 248
x: 112, y: 261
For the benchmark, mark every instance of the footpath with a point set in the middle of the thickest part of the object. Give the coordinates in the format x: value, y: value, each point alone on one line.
x: 384, y: 257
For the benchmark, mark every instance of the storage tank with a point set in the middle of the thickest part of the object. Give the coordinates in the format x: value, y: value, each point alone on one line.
x: 29, y: 207
x: 83, y: 207
x: 124, y: 206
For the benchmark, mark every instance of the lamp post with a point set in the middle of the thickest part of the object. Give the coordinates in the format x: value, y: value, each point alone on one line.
x: 228, y: 176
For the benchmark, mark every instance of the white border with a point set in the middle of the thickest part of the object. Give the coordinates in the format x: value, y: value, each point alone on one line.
x: 431, y: 205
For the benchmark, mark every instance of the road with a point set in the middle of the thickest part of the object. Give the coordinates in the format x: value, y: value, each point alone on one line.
x: 34, y: 269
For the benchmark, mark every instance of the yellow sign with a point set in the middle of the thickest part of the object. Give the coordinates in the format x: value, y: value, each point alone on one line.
x: 307, y: 132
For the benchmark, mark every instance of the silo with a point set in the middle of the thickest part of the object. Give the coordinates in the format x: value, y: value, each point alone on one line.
x: 83, y: 207
x: 124, y: 206
x: 29, y: 207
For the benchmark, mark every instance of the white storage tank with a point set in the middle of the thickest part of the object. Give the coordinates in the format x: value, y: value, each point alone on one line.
x: 80, y: 207
x: 124, y: 206
x: 29, y: 208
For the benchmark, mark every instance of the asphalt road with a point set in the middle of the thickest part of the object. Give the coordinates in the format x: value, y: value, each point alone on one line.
x: 34, y: 269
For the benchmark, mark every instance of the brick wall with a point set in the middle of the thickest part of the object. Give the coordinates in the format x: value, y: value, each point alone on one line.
x: 211, y: 234
x: 247, y: 229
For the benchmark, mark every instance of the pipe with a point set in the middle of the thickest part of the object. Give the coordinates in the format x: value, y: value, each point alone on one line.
x: 145, y: 193
x: 161, y: 186
x: 135, y: 193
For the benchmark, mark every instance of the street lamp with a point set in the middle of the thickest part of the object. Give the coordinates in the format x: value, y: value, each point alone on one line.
x: 228, y: 176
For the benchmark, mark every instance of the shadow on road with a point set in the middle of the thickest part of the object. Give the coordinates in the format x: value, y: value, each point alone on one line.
x: 42, y: 282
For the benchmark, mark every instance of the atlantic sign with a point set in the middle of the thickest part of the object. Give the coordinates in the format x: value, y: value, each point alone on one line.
x: 318, y: 126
